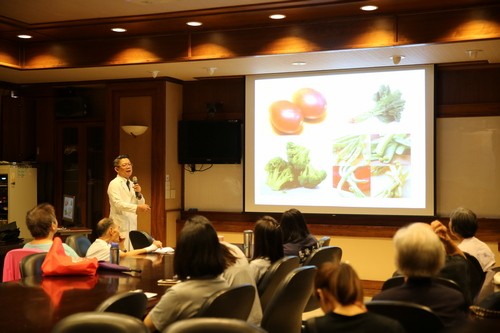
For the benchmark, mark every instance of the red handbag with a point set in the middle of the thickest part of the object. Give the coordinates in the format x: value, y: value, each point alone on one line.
x: 57, y: 262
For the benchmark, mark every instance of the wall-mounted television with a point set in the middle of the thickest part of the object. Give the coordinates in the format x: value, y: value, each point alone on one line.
x: 210, y: 141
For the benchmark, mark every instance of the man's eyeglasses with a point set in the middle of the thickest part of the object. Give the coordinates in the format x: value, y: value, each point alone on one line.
x: 124, y: 165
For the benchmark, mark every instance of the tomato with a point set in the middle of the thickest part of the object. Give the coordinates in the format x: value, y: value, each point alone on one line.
x: 311, y: 102
x: 286, y: 117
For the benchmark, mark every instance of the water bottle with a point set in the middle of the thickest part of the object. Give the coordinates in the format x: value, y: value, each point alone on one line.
x: 114, y: 254
x: 247, y: 242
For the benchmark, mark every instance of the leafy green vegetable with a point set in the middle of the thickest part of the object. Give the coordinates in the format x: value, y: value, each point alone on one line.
x: 279, y: 174
x: 388, y: 106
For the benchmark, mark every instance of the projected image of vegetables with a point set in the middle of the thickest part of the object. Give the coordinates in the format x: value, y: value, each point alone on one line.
x: 287, y: 117
x: 388, y: 106
x: 388, y: 147
x: 294, y: 172
x: 371, y: 165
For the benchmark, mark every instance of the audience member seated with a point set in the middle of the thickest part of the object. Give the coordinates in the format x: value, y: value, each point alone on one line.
x: 198, y: 263
x: 238, y: 272
x: 463, y: 226
x: 268, y: 246
x: 340, y: 293
x: 457, y: 266
x: 420, y: 255
x: 297, y: 239
x: 108, y: 231
x: 42, y: 224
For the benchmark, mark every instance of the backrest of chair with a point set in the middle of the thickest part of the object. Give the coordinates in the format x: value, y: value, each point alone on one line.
x: 31, y: 265
x: 132, y: 303
x: 393, y: 282
x: 324, y: 241
x: 140, y: 239
x: 79, y: 243
x: 234, y: 302
x: 413, y: 317
x: 274, y: 276
x: 284, y: 311
x: 11, y: 264
x: 477, y: 275
x: 317, y: 258
x: 324, y: 254
x: 96, y: 322
x: 213, y: 325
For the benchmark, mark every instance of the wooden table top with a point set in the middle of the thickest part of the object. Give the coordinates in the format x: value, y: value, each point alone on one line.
x: 36, y: 304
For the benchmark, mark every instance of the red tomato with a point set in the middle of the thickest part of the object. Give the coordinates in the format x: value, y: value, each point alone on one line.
x: 286, y: 117
x: 311, y: 102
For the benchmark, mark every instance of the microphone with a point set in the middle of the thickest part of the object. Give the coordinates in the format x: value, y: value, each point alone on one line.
x: 137, y: 194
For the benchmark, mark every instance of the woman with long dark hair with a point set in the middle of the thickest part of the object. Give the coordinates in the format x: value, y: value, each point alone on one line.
x: 198, y: 263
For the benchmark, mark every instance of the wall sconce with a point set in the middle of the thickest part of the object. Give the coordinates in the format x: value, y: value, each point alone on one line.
x: 134, y: 130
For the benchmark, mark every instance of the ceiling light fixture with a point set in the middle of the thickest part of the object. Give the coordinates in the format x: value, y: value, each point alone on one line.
x: 24, y: 36
x: 277, y: 16
x: 369, y: 8
x: 299, y: 63
x: 154, y: 74
x: 194, y: 24
x: 118, y: 29
x: 396, y: 59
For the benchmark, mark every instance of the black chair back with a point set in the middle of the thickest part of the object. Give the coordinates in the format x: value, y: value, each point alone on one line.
x: 324, y: 241
x: 99, y: 322
x: 234, y: 302
x: 132, y: 303
x: 477, y: 275
x: 213, y: 325
x: 79, y: 243
x: 31, y: 265
x: 317, y: 258
x: 284, y: 311
x: 413, y: 317
x: 399, y: 280
x: 274, y: 276
x: 140, y: 239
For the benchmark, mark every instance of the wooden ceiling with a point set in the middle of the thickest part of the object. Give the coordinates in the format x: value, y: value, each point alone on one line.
x: 79, y: 30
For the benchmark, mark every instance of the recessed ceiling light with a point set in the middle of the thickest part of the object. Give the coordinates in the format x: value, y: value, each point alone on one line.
x: 299, y: 63
x: 118, y: 30
x: 194, y: 24
x: 369, y: 8
x: 24, y: 36
x: 277, y: 16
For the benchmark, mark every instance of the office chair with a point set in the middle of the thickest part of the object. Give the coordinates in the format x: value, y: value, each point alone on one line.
x: 284, y: 311
x: 99, y: 322
x: 273, y: 277
x: 317, y: 258
x: 414, y: 318
x: 324, y: 241
x: 79, y: 243
x: 234, y: 302
x: 140, y: 239
x: 31, y: 265
x: 213, y: 325
x: 132, y: 303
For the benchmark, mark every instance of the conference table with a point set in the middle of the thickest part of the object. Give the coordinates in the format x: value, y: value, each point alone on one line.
x: 36, y: 304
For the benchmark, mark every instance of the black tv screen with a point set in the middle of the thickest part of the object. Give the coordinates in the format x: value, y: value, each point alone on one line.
x: 209, y: 142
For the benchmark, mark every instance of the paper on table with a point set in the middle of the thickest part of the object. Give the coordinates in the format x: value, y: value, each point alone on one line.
x: 164, y: 250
